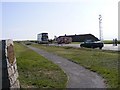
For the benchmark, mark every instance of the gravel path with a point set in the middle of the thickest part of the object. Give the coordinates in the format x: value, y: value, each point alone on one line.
x: 78, y: 77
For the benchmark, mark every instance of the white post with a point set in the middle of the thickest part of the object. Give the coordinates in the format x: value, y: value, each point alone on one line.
x: 100, y: 28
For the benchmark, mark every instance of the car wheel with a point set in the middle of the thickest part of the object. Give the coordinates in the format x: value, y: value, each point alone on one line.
x: 81, y: 46
x: 92, y: 47
x: 100, y: 47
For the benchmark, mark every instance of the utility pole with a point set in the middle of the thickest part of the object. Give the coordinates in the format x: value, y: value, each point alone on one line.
x: 100, y: 28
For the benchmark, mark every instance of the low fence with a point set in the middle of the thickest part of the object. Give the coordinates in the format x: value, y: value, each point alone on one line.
x: 9, y: 66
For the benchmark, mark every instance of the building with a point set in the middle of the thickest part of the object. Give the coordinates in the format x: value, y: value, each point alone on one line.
x: 81, y: 38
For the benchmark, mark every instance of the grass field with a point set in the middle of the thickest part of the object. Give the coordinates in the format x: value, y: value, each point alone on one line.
x: 75, y: 43
x: 104, y: 63
x: 37, y: 72
x: 105, y: 42
x: 110, y: 41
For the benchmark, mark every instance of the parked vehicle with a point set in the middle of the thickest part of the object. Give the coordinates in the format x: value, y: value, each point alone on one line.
x: 42, y: 38
x: 65, y: 40
x: 92, y: 44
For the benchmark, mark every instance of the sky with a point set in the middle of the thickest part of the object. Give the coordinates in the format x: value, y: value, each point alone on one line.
x: 23, y: 20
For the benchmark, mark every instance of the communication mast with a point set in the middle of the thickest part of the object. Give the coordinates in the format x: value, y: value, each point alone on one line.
x: 100, y: 28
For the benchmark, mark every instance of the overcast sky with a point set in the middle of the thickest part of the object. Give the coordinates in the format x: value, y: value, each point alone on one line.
x: 24, y: 20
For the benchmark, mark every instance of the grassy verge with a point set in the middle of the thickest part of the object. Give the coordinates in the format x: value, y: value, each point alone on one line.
x: 104, y: 63
x: 75, y: 42
x: 105, y: 42
x: 110, y: 41
x: 37, y: 72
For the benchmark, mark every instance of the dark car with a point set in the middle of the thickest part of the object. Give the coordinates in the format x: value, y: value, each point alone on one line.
x: 92, y: 44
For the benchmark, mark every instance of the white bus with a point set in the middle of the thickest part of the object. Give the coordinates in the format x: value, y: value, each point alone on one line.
x: 42, y: 38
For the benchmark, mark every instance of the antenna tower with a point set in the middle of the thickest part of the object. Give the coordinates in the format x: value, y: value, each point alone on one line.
x: 100, y: 28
